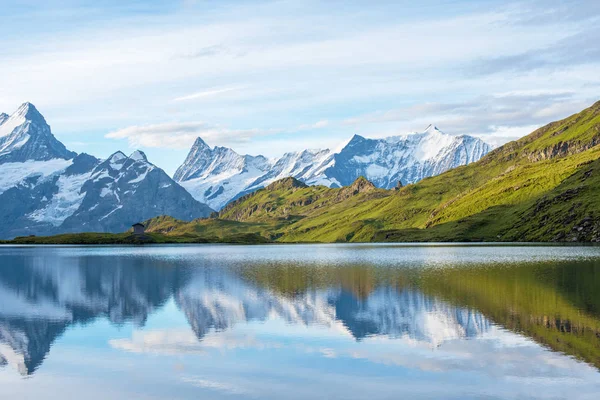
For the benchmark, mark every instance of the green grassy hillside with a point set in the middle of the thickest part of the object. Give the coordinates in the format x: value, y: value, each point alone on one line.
x: 555, y: 304
x: 94, y: 238
x: 513, y: 193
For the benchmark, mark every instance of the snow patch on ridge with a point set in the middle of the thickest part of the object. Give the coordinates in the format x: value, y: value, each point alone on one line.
x: 64, y: 203
x: 11, y: 123
x: 117, y: 160
x: 141, y: 176
x: 14, y: 174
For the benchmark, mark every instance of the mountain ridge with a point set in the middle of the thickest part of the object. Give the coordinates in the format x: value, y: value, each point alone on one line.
x: 46, y: 189
x: 219, y: 175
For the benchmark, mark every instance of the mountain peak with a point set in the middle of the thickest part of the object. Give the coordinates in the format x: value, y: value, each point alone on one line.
x: 117, y: 157
x: 3, y: 117
x: 138, y: 155
x: 29, y: 112
x: 355, y: 140
x: 360, y: 185
x: 356, y: 137
x: 432, y: 129
x: 25, y: 136
x: 200, y: 144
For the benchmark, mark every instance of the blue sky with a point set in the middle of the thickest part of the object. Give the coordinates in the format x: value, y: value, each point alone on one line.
x: 273, y: 76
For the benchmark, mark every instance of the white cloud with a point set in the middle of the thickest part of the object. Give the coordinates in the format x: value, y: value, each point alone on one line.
x: 181, y: 135
x: 207, y: 93
x: 183, y: 341
x: 317, y: 125
x: 496, y: 118
x: 214, y: 385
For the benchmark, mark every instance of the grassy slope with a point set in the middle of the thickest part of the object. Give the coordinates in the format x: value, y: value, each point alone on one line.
x: 128, y: 238
x: 286, y: 208
x: 208, y: 228
x: 493, y: 199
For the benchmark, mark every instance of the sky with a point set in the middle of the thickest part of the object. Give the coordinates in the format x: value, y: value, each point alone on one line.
x: 267, y: 77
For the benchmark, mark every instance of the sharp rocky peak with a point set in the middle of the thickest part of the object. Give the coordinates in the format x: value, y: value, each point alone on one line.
x: 357, y: 138
x: 431, y: 128
x: 25, y: 136
x: 29, y: 112
x: 383, y: 161
x: 200, y: 144
x: 3, y: 117
x: 117, y: 156
x: 138, y: 155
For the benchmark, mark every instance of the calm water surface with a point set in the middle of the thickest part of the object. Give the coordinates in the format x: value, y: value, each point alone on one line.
x: 303, y: 321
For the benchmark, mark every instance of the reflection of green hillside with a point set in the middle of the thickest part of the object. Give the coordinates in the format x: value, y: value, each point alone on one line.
x: 289, y: 279
x: 555, y: 304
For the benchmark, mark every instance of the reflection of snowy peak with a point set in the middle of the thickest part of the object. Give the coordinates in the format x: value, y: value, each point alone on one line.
x: 45, y: 189
x: 46, y: 296
x: 218, y: 176
x: 218, y: 301
x: 41, y: 301
x: 411, y: 313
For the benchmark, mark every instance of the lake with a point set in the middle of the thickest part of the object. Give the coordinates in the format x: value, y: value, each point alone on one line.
x: 300, y: 321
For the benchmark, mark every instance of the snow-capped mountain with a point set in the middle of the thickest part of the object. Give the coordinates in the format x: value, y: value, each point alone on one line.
x: 46, y: 189
x: 407, y: 158
x: 122, y: 190
x: 218, y: 176
x: 308, y: 166
x: 25, y: 136
x: 215, y: 176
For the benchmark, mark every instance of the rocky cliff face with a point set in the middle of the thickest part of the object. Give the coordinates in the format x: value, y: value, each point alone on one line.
x: 124, y: 190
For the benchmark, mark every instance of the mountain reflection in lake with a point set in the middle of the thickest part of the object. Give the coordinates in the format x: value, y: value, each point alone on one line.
x: 328, y: 321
